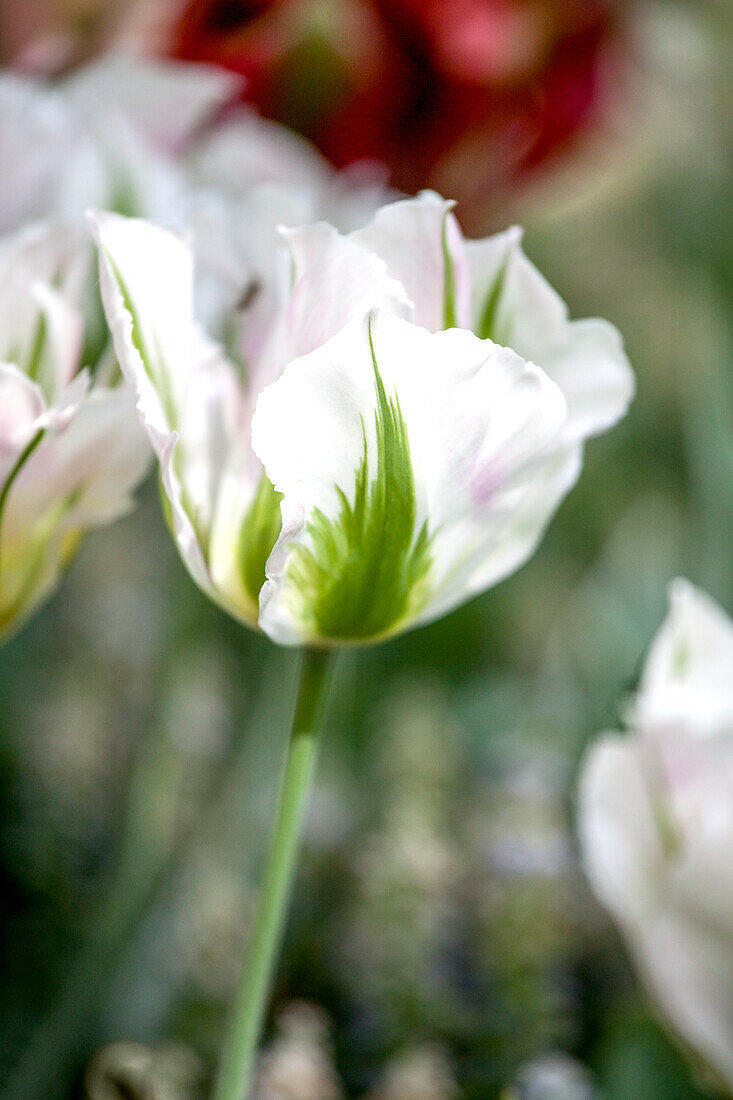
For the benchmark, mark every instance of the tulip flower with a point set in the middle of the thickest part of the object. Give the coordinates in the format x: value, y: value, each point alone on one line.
x: 395, y: 465
x: 71, y: 450
x: 480, y: 457
x: 656, y: 825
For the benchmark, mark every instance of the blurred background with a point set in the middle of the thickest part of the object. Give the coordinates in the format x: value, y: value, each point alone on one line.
x: 442, y: 941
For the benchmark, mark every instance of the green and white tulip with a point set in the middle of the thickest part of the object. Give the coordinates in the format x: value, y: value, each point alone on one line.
x: 400, y: 460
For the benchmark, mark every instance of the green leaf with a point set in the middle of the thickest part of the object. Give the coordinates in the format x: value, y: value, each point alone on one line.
x: 366, y: 570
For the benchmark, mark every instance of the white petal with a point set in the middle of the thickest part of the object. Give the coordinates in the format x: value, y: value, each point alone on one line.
x: 165, y: 101
x: 527, y: 314
x: 689, y: 971
x: 335, y: 281
x: 417, y: 239
x: 481, y: 423
x: 213, y: 422
x: 511, y: 302
x: 688, y: 675
x: 673, y: 905
x: 243, y: 270
x: 505, y: 537
x: 590, y: 366
x: 148, y: 272
x: 21, y: 406
x: 245, y: 151
x: 87, y: 471
x: 43, y: 270
x: 620, y: 843
x: 63, y: 339
x: 81, y: 474
x: 154, y: 268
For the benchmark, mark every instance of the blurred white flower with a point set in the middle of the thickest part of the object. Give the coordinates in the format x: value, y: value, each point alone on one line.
x: 112, y: 135
x: 143, y: 136
x: 417, y: 467
x: 71, y: 451
x: 134, y: 1070
x: 418, y: 1073
x: 555, y: 1076
x: 298, y: 1065
x: 656, y: 825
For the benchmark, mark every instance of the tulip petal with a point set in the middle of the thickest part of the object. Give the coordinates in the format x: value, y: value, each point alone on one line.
x: 590, y: 366
x: 42, y: 273
x: 21, y: 406
x: 421, y: 244
x: 688, y: 675
x: 672, y: 901
x: 622, y: 849
x: 192, y: 406
x: 335, y: 281
x: 426, y: 446
x: 513, y: 304
x: 165, y: 101
x: 41, y: 148
x: 146, y: 279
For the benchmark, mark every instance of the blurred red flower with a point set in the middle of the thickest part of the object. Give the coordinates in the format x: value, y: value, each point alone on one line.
x: 466, y: 96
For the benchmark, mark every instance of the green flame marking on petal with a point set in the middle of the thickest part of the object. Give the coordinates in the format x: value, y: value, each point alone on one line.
x: 366, y: 570
x: 450, y: 312
x: 258, y: 534
x: 146, y: 344
x: 488, y: 323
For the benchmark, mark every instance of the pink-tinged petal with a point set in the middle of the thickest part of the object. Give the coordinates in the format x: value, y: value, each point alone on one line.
x: 21, y: 406
x: 469, y: 407
x: 335, y: 281
x: 88, y: 470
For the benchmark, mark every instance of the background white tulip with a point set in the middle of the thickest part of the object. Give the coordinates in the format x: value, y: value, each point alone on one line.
x: 71, y: 452
x: 656, y: 825
x: 108, y: 135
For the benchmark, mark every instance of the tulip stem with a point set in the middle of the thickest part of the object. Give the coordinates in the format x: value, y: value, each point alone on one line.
x: 237, y: 1062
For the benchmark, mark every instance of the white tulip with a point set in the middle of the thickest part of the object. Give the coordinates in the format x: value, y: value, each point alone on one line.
x: 656, y: 825
x: 417, y: 466
x: 112, y: 134
x: 71, y: 452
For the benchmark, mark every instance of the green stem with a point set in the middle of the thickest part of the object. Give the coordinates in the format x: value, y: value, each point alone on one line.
x: 237, y: 1062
